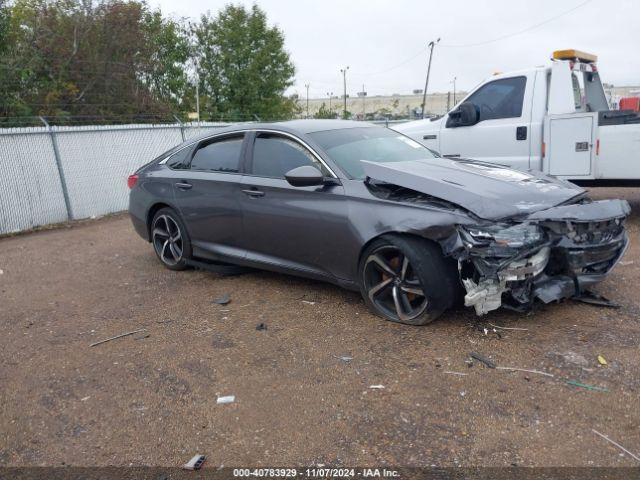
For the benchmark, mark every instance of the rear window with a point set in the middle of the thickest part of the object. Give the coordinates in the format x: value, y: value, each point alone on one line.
x: 219, y: 155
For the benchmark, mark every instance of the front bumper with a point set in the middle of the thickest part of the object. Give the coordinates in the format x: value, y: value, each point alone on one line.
x: 575, y: 255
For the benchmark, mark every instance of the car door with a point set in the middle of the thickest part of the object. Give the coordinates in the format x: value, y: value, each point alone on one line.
x: 502, y: 134
x: 207, y: 195
x: 285, y: 226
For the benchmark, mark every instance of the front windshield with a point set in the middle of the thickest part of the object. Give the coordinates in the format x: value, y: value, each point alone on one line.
x: 347, y: 147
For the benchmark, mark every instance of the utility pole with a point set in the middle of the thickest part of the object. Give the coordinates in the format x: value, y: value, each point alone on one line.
x: 306, y: 85
x: 454, y: 91
x: 198, y: 98
x: 330, y: 95
x: 364, y: 95
x: 426, y: 83
x: 344, y: 80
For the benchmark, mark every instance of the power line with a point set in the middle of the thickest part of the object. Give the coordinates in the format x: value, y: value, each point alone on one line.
x: 520, y: 32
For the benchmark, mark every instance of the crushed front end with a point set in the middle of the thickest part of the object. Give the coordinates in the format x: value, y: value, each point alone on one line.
x: 550, y: 255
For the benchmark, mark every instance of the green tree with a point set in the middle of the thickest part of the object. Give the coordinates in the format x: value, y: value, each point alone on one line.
x: 92, y: 58
x: 243, y: 68
x: 324, y: 112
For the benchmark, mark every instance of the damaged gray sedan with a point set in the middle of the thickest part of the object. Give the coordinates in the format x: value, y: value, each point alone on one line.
x: 372, y: 210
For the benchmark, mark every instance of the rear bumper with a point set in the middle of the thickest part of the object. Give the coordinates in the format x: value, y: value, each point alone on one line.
x: 140, y: 226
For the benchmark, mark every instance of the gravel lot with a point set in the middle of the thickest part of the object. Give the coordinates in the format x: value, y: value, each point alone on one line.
x: 151, y: 400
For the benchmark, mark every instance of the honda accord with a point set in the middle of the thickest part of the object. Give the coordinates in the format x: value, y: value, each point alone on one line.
x: 372, y: 210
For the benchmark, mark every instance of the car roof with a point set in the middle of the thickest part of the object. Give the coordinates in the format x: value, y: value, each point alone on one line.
x: 301, y: 126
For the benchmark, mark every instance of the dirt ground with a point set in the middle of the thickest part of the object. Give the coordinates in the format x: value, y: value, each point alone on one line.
x: 150, y: 399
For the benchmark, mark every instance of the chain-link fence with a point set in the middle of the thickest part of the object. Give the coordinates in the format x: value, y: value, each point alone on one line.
x: 52, y: 174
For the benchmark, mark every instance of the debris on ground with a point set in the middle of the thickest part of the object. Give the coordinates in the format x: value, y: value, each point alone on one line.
x: 261, y: 326
x: 117, y: 336
x: 601, y: 360
x: 455, y: 373
x: 635, y: 457
x: 1, y: 271
x: 483, y: 359
x: 344, y: 358
x: 227, y: 399
x: 376, y: 387
x: 630, y: 262
x: 195, y: 463
x: 514, y: 369
x: 142, y: 336
x: 594, y: 299
x: 509, y: 328
x: 222, y: 300
x: 84, y: 399
x: 594, y: 388
x: 308, y: 302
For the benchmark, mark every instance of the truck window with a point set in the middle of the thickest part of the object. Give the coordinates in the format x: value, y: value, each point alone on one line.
x: 577, y: 91
x: 500, y: 99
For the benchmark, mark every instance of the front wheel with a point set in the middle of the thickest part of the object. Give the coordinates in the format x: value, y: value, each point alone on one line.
x: 407, y: 279
x: 170, y: 239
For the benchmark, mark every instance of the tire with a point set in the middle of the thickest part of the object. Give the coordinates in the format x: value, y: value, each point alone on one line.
x: 407, y: 279
x: 172, y: 250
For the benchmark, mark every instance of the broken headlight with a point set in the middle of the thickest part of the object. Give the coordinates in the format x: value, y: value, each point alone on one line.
x: 515, y: 236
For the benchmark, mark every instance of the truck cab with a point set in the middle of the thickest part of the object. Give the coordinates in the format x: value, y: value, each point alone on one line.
x: 555, y: 119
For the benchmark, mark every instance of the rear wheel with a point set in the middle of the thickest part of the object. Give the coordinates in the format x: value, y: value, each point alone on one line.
x: 407, y: 279
x: 170, y: 239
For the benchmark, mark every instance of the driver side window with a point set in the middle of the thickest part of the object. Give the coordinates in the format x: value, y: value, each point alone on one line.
x: 500, y: 99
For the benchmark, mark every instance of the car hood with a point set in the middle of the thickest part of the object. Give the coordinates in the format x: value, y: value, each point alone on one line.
x: 489, y: 191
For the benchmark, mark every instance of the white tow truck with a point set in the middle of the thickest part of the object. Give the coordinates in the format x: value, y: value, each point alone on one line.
x: 554, y: 119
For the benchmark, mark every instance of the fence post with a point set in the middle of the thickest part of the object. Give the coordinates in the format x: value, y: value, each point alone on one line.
x: 181, y: 127
x: 63, y: 181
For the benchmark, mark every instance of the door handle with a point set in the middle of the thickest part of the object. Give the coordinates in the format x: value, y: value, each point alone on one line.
x: 521, y: 133
x: 184, y: 185
x: 253, y: 192
x: 452, y: 155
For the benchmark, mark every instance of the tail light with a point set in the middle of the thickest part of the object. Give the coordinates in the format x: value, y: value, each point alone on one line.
x: 132, y: 180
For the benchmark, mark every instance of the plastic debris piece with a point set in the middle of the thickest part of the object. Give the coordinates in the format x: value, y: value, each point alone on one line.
x: 595, y: 299
x: 84, y: 399
x: 376, y: 387
x: 616, y: 444
x: 222, y: 300
x: 117, y: 336
x: 525, y: 370
x: 261, y: 326
x: 344, y: 358
x: 308, y: 302
x: 227, y: 399
x: 195, y: 463
x: 601, y: 360
x: 483, y: 359
x: 594, y: 388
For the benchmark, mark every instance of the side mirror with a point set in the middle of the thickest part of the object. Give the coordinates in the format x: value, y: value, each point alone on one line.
x: 465, y: 115
x: 305, y: 176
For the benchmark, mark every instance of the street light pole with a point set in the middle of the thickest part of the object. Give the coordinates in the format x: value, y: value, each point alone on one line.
x: 426, y: 83
x: 344, y: 80
x: 330, y: 95
x: 306, y: 85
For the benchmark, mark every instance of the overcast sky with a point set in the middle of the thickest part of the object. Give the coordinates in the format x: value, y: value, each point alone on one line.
x: 384, y: 42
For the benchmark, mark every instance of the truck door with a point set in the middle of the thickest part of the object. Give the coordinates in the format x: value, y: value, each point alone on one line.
x: 502, y: 133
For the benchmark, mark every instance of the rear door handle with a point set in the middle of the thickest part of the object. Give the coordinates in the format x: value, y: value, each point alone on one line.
x: 184, y: 185
x: 452, y: 155
x: 253, y: 193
